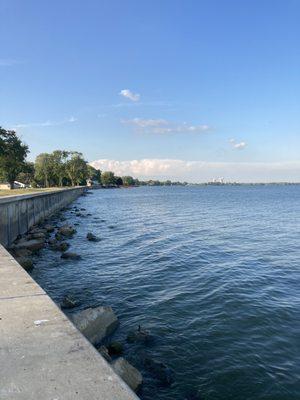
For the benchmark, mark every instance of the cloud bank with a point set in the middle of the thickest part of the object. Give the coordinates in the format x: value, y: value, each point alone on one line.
x: 164, y: 127
x: 201, y: 171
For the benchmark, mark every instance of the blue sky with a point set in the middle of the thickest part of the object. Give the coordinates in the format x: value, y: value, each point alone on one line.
x: 185, y: 89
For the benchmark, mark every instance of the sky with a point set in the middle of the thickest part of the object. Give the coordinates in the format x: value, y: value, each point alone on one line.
x: 169, y: 89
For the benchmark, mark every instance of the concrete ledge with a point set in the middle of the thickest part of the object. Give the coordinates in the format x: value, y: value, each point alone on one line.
x: 43, y: 356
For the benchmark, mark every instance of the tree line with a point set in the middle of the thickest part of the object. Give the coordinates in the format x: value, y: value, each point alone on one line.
x: 59, y: 168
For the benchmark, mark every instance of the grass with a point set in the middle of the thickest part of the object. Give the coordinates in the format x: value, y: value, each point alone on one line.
x: 17, y: 192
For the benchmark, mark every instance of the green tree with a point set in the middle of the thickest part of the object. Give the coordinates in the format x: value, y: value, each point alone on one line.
x: 94, y: 174
x: 27, y: 174
x: 128, y: 181
x: 44, y: 169
x: 108, y: 178
x: 59, y: 158
x: 119, y: 181
x: 76, y: 168
x: 13, y: 154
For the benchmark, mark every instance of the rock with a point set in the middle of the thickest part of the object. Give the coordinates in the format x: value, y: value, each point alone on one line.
x: 69, y: 302
x: 193, y: 395
x: 38, y: 235
x: 19, y: 253
x: 49, y: 228
x: 159, y: 370
x: 59, y: 246
x: 104, y: 353
x: 140, y: 335
x: 37, y: 230
x: 70, y: 256
x: 92, y: 238
x: 96, y: 323
x: 128, y: 373
x: 115, y: 348
x: 83, y: 209
x: 32, y: 245
x: 58, y: 236
x: 67, y: 230
x: 26, y: 263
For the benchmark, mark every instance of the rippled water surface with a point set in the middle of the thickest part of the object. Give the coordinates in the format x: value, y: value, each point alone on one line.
x: 212, y: 272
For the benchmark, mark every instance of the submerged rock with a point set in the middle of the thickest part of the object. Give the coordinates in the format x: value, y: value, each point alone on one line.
x: 70, y: 256
x: 159, y: 371
x: 128, y: 373
x: 59, y: 246
x: 92, y: 238
x: 96, y: 323
x: 69, y: 302
x: 115, y: 348
x: 66, y: 230
x: 140, y: 335
x: 193, y: 395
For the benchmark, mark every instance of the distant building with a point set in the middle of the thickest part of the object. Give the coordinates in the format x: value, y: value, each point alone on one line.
x: 217, y: 181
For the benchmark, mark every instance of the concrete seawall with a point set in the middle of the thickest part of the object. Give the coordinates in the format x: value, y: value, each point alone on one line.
x: 19, y: 213
x: 42, y: 354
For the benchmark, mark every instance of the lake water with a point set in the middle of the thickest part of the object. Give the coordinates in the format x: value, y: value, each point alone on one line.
x: 211, y: 272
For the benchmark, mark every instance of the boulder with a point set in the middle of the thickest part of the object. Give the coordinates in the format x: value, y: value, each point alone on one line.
x: 96, y: 323
x: 104, y: 353
x: 66, y: 230
x: 49, y: 228
x: 38, y: 235
x: 59, y: 246
x: 58, y: 236
x: 159, y: 371
x: 92, y: 238
x: 37, y: 230
x: 26, y: 263
x: 69, y: 302
x: 19, y: 253
x: 32, y: 245
x: 115, y: 348
x: 70, y: 256
x: 128, y: 373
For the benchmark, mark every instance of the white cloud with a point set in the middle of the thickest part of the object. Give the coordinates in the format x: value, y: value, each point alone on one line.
x: 45, y: 123
x: 240, y: 145
x: 130, y: 95
x: 163, y: 127
x: 237, y: 145
x: 202, y: 171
